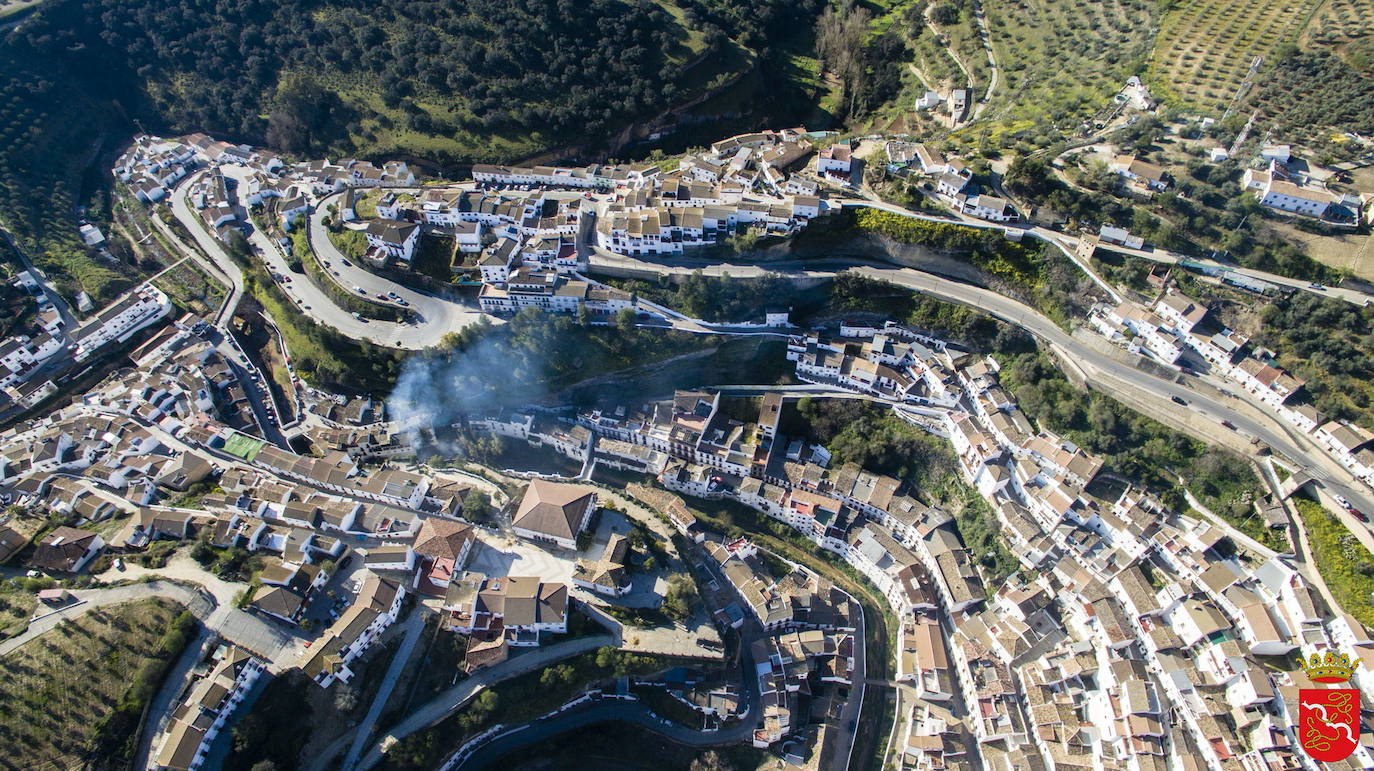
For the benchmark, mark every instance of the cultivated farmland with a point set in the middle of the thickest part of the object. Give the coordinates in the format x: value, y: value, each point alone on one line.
x: 1205, y: 47
x: 1062, y: 61
x: 57, y: 690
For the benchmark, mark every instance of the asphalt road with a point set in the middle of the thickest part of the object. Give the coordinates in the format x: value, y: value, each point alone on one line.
x: 1069, y: 245
x: 438, y: 316
x: 454, y: 698
x: 1152, y: 394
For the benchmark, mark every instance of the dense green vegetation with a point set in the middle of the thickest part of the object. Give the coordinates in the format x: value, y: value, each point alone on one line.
x: 1139, y: 448
x: 1344, y: 563
x: 314, y: 75
x: 717, y: 299
x: 74, y: 695
x: 1033, y: 271
x: 47, y: 139
x: 958, y: 323
x: 1310, y: 93
x: 1205, y: 210
x: 272, y: 732
x: 875, y: 439
x: 1329, y: 344
x: 870, y: 435
x: 515, y: 701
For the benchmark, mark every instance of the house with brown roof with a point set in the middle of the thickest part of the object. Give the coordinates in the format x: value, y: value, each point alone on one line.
x: 441, y: 549
x: 11, y: 541
x: 555, y: 513
x: 66, y: 550
x: 1146, y: 175
x: 607, y: 575
x: 517, y: 608
x: 280, y: 602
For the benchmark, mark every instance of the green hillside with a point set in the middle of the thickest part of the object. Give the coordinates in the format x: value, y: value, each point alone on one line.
x: 429, y: 80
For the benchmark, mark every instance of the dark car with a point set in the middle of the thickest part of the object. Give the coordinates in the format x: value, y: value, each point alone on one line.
x: 1229, y: 424
x: 1178, y: 400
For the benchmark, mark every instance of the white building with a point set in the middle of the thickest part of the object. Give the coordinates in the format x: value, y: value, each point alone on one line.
x: 393, y: 237
x: 121, y: 320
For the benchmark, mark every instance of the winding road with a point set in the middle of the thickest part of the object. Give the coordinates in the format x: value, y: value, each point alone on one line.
x: 1196, y: 411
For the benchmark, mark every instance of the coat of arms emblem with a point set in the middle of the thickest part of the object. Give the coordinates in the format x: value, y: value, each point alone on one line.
x: 1329, y: 718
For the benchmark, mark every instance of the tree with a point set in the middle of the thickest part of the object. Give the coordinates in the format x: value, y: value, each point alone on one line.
x: 682, y: 597
x: 710, y: 760
x: 476, y: 504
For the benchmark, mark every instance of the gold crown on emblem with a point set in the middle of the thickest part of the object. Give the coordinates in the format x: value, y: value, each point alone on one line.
x: 1331, y: 668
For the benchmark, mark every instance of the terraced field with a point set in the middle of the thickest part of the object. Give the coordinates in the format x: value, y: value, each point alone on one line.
x: 1061, y: 61
x: 1205, y: 47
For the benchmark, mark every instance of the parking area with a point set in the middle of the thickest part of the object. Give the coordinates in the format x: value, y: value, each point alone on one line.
x: 330, y: 600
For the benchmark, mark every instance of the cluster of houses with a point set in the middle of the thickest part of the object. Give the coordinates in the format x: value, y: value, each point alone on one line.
x: 1179, y: 328
x: 891, y: 361
x: 1286, y: 183
x: 1133, y: 637
x: 152, y: 166
x: 804, y: 663
x: 154, y: 433
x: 31, y: 364
x: 204, y: 708
x: 950, y: 179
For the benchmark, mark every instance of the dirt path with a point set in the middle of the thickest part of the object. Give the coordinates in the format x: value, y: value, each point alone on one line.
x: 985, y: 35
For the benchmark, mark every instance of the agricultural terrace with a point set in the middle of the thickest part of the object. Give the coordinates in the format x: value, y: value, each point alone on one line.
x: 1062, y: 62
x: 1205, y: 47
x: 73, y: 695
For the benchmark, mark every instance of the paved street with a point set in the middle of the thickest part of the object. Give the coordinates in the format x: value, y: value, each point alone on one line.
x: 438, y: 316
x: 414, y: 625
x: 90, y: 599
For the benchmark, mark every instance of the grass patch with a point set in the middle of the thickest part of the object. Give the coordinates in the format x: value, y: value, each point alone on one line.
x: 1341, y: 560
x: 192, y: 288
x: 353, y: 243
